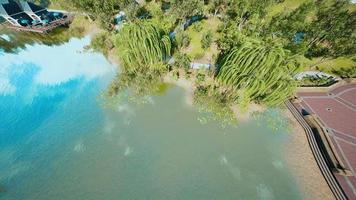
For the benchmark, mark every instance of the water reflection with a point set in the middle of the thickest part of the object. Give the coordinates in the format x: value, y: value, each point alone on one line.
x: 57, y: 142
x: 50, y: 66
x: 37, y: 80
x: 14, y: 41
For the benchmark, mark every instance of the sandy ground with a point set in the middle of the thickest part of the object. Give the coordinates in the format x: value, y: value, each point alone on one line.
x: 187, y: 85
x: 301, y: 161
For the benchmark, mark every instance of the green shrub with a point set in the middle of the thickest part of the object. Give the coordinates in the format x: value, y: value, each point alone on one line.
x: 197, y: 26
x: 182, y: 60
x: 345, y: 72
x: 200, y: 78
x: 102, y: 42
x: 316, y: 81
x: 182, y: 40
x: 207, y: 39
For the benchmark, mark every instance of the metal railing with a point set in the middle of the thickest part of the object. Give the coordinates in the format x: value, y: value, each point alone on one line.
x: 324, y: 168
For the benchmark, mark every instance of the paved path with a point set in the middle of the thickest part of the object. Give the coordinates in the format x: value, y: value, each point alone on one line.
x: 336, y: 109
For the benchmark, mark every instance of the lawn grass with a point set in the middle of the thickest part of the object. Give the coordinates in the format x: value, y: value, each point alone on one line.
x: 287, y: 5
x: 329, y: 65
x: 195, y: 48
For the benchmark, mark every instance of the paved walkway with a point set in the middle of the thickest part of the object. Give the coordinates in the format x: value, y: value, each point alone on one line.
x: 336, y: 109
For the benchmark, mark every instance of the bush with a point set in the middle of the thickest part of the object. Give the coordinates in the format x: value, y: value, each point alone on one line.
x: 200, y: 78
x: 182, y: 60
x: 182, y: 40
x: 317, y: 81
x: 102, y: 42
x: 207, y: 39
x: 345, y: 72
x: 197, y: 26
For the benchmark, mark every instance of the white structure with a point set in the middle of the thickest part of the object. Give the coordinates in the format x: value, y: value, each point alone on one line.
x: 9, y: 9
x: 32, y: 10
x: 21, y: 13
x: 316, y: 74
x: 5, y: 37
x: 199, y: 65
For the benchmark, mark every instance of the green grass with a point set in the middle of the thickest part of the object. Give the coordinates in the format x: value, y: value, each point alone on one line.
x: 287, y: 5
x: 195, y: 49
x: 353, y: 7
x: 329, y: 65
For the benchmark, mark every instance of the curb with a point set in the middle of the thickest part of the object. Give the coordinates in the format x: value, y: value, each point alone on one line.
x: 324, y: 168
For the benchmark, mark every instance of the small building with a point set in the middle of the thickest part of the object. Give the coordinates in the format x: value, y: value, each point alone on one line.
x: 12, y: 12
x: 27, y: 16
x: 33, y: 10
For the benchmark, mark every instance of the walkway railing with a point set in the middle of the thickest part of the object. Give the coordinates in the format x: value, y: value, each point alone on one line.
x: 324, y: 168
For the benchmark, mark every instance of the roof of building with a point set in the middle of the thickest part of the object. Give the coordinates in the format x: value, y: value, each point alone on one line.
x: 2, y: 11
x: 34, y: 7
x: 11, y: 7
x: 30, y: 7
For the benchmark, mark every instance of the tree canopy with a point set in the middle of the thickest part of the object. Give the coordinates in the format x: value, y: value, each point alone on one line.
x: 258, y: 71
x: 332, y: 33
x: 258, y: 48
x: 143, y: 46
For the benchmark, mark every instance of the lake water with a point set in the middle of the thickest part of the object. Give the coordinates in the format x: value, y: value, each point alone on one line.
x: 58, y: 141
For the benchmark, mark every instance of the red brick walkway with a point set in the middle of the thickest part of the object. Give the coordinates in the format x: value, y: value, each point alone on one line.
x: 336, y: 109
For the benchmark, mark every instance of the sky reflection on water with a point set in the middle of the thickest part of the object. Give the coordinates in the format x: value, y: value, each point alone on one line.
x: 58, y: 142
x: 36, y: 83
x: 50, y: 65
